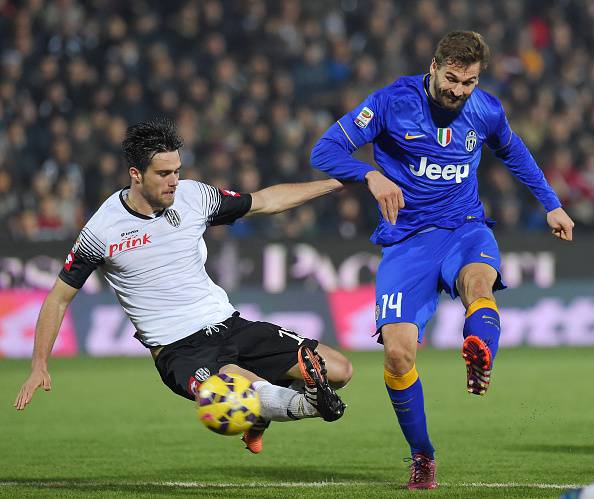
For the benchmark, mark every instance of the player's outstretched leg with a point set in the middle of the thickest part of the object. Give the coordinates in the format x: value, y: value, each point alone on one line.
x: 406, y: 394
x: 318, y: 391
x: 481, y: 342
x: 277, y: 403
x: 475, y: 284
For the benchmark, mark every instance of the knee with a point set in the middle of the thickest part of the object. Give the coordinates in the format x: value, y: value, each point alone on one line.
x: 398, y: 359
x: 478, y: 284
x: 341, y: 373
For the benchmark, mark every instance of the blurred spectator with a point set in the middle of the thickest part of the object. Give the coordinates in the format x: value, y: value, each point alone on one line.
x: 9, y: 203
x: 253, y: 84
x: 574, y: 188
x: 351, y: 222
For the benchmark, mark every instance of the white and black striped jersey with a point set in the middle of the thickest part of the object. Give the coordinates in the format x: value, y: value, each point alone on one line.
x: 156, y: 264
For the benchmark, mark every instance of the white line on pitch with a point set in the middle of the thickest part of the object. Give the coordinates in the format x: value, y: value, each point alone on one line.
x: 239, y: 485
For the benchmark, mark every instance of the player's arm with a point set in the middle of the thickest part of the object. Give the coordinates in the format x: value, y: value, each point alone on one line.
x: 46, y: 331
x: 282, y: 197
x: 332, y: 154
x: 510, y: 149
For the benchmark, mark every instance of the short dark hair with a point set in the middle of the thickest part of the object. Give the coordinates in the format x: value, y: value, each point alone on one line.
x: 462, y: 48
x: 147, y: 138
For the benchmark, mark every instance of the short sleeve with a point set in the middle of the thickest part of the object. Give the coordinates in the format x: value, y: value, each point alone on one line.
x: 85, y: 256
x: 222, y: 206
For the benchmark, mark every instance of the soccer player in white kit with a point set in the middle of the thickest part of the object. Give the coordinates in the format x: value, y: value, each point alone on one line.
x: 147, y: 240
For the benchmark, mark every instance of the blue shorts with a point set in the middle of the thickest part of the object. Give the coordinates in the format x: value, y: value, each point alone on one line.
x: 412, y: 273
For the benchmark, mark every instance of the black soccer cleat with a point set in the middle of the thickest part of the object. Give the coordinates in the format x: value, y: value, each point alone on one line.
x: 318, y: 391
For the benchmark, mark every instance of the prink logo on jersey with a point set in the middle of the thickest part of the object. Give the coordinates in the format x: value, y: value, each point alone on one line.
x: 433, y: 171
x: 129, y: 243
x: 364, y: 117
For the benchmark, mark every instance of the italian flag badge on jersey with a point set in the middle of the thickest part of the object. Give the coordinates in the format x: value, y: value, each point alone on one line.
x: 444, y: 136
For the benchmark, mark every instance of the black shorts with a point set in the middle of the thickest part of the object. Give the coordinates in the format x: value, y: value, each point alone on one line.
x: 265, y: 349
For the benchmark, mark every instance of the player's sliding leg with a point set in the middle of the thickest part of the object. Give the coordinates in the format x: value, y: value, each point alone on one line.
x: 482, y: 325
x: 270, y: 352
x: 406, y: 394
x: 278, y: 403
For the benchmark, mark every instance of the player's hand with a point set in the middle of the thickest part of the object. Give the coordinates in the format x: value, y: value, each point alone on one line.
x: 387, y: 193
x: 38, y: 378
x: 561, y: 224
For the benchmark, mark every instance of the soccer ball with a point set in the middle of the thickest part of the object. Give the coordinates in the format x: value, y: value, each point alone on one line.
x: 227, y: 404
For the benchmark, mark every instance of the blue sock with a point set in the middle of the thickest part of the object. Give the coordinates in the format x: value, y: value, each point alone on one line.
x: 406, y: 394
x: 482, y: 320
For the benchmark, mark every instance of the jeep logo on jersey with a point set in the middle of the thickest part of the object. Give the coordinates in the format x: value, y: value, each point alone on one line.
x: 444, y: 136
x: 129, y: 243
x: 364, y: 117
x: 470, y: 143
x: 172, y: 217
x: 434, y: 171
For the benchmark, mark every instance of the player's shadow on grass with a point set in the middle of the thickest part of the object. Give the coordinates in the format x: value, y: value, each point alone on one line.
x: 555, y: 449
x: 301, y: 473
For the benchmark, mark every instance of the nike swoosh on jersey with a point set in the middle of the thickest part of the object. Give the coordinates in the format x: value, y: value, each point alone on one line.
x: 408, y: 136
x: 484, y: 255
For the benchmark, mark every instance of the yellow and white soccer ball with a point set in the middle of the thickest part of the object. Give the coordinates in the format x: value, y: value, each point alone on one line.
x: 228, y: 404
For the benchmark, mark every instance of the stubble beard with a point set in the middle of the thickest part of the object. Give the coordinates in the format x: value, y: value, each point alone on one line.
x: 158, y: 202
x: 443, y: 98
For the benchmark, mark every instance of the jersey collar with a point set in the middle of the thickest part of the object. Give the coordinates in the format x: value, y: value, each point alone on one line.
x: 440, y: 115
x: 125, y: 191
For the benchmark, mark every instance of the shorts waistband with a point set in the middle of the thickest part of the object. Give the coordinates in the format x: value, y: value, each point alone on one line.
x: 208, y: 330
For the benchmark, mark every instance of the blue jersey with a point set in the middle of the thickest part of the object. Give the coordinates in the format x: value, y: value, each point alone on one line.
x: 431, y: 153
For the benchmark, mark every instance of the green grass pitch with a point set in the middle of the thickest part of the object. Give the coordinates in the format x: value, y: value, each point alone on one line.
x: 109, y: 428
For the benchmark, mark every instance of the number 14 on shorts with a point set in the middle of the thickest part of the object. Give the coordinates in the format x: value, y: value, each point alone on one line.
x: 388, y: 304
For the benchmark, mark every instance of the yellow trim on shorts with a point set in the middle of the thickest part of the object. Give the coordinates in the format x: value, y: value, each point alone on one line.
x: 401, y: 382
x: 481, y: 303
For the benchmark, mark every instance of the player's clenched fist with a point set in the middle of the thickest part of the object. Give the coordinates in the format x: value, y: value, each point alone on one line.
x: 387, y: 193
x: 36, y: 380
x: 561, y: 224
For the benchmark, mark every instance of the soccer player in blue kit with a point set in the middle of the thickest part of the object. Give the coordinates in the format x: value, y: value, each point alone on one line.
x: 427, y: 133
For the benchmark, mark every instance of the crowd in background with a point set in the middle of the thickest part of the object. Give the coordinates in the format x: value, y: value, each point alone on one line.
x: 253, y: 84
